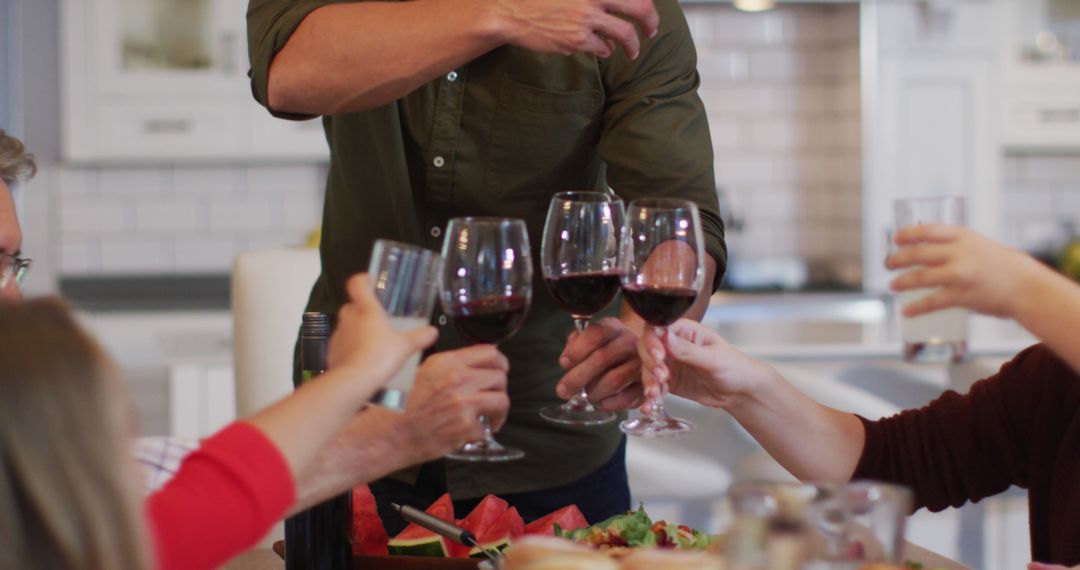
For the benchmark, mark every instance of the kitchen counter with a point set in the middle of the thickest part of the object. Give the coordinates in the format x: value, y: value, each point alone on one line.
x: 836, y: 325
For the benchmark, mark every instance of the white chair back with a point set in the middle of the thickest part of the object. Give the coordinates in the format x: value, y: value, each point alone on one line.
x: 269, y: 291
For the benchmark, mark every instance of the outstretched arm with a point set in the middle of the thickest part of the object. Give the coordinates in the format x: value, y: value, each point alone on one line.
x: 351, y: 56
x: 812, y: 441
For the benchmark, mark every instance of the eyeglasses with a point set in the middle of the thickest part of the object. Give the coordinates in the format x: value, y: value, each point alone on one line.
x: 13, y: 269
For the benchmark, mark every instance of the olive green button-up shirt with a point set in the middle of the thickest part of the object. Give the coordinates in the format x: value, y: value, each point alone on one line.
x: 497, y: 137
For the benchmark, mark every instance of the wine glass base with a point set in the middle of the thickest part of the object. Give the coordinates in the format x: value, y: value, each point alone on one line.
x: 649, y: 427
x: 573, y: 414
x: 486, y: 452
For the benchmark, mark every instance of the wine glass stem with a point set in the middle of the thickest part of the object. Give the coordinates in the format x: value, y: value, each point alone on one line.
x: 656, y: 406
x: 489, y: 436
x: 582, y: 397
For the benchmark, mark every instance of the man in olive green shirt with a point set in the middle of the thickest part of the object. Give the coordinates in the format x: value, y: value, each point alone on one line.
x: 441, y: 108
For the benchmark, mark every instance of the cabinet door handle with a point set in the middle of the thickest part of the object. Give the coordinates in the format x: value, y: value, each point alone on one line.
x: 166, y: 126
x: 1059, y: 115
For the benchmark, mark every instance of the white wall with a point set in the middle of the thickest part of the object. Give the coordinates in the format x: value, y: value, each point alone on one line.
x: 1040, y: 195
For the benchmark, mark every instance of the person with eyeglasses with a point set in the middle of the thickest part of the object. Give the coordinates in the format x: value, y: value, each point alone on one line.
x: 15, y: 166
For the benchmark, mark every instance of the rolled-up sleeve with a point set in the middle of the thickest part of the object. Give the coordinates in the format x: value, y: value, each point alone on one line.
x: 656, y: 138
x: 270, y: 24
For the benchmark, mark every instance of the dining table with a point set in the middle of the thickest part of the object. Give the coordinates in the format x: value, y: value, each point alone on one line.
x: 267, y: 559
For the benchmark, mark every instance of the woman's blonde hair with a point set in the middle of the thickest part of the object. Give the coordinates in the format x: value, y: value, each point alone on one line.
x: 15, y: 163
x: 67, y: 494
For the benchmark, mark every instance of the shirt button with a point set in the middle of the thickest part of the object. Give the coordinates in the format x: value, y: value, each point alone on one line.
x: 436, y: 231
x: 439, y: 162
x: 452, y: 76
x: 442, y: 320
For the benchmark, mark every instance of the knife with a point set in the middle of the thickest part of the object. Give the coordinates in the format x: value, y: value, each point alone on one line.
x: 443, y: 528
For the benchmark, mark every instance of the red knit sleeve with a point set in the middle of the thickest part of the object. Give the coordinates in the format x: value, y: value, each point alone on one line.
x: 226, y: 495
x: 962, y: 448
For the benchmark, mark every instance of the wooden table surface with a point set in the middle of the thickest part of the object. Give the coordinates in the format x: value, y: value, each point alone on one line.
x: 266, y: 559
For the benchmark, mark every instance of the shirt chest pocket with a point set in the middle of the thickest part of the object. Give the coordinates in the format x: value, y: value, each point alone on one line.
x: 541, y: 141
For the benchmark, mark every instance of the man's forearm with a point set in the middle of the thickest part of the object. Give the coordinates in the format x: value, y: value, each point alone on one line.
x: 354, y: 56
x: 812, y: 441
x: 374, y: 444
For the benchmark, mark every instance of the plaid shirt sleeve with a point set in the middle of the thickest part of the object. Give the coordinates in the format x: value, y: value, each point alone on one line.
x: 160, y: 458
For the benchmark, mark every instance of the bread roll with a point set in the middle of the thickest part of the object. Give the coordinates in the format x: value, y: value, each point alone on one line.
x: 660, y: 559
x: 549, y: 553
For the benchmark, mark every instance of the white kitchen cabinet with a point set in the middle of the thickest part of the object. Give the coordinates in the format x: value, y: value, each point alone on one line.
x: 1041, y: 107
x: 930, y: 76
x: 166, y: 81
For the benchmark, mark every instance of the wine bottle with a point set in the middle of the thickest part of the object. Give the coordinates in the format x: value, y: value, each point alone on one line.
x: 319, y: 538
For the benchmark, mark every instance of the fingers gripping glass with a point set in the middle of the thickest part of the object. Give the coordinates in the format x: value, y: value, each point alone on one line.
x: 663, y: 271
x: 486, y: 289
x: 580, y: 256
x: 13, y: 269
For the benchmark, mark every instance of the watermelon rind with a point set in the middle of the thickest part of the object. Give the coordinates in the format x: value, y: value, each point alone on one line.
x: 431, y: 546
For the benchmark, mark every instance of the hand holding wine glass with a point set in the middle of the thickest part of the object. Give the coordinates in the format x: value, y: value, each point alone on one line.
x: 579, y: 256
x: 486, y: 290
x: 663, y: 272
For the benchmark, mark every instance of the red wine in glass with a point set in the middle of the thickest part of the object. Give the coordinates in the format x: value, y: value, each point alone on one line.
x: 663, y: 271
x: 486, y: 288
x: 490, y: 320
x: 580, y: 259
x: 584, y: 293
x: 659, y: 306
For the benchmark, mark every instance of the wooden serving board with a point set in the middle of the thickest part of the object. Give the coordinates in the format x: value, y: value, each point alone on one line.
x: 363, y: 562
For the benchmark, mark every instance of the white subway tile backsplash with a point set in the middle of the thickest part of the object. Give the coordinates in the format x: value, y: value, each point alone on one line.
x: 157, y: 217
x: 207, y: 255
x: 254, y: 213
x: 778, y: 135
x: 214, y: 180
x: 737, y: 101
x: 76, y: 181
x: 731, y: 27
x: 95, y: 216
x: 781, y: 66
x: 1063, y: 169
x: 723, y: 66
x: 1032, y: 203
x: 743, y: 170
x: 141, y: 256
x: 79, y: 256
x: 134, y: 181
x: 301, y: 178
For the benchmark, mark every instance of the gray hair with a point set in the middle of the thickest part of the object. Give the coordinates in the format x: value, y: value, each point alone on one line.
x: 15, y: 163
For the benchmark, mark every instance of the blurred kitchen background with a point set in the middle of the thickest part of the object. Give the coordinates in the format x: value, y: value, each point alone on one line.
x: 158, y: 169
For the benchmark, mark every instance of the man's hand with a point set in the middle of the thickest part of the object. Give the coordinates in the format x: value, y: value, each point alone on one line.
x: 604, y: 361
x: 578, y: 26
x: 452, y: 389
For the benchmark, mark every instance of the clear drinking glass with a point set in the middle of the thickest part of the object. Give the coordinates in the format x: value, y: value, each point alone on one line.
x: 663, y: 271
x: 406, y: 280
x: 486, y: 289
x: 942, y: 335
x: 580, y: 260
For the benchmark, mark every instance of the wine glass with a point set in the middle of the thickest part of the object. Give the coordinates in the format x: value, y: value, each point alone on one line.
x: 579, y: 256
x: 486, y: 289
x: 663, y: 271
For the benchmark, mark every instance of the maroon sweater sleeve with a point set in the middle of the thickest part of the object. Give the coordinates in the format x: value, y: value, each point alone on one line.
x: 962, y: 448
x: 225, y: 496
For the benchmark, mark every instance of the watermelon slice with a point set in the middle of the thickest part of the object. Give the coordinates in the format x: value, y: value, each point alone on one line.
x: 368, y: 533
x: 498, y: 534
x: 415, y: 540
x: 568, y: 518
x: 478, y: 521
